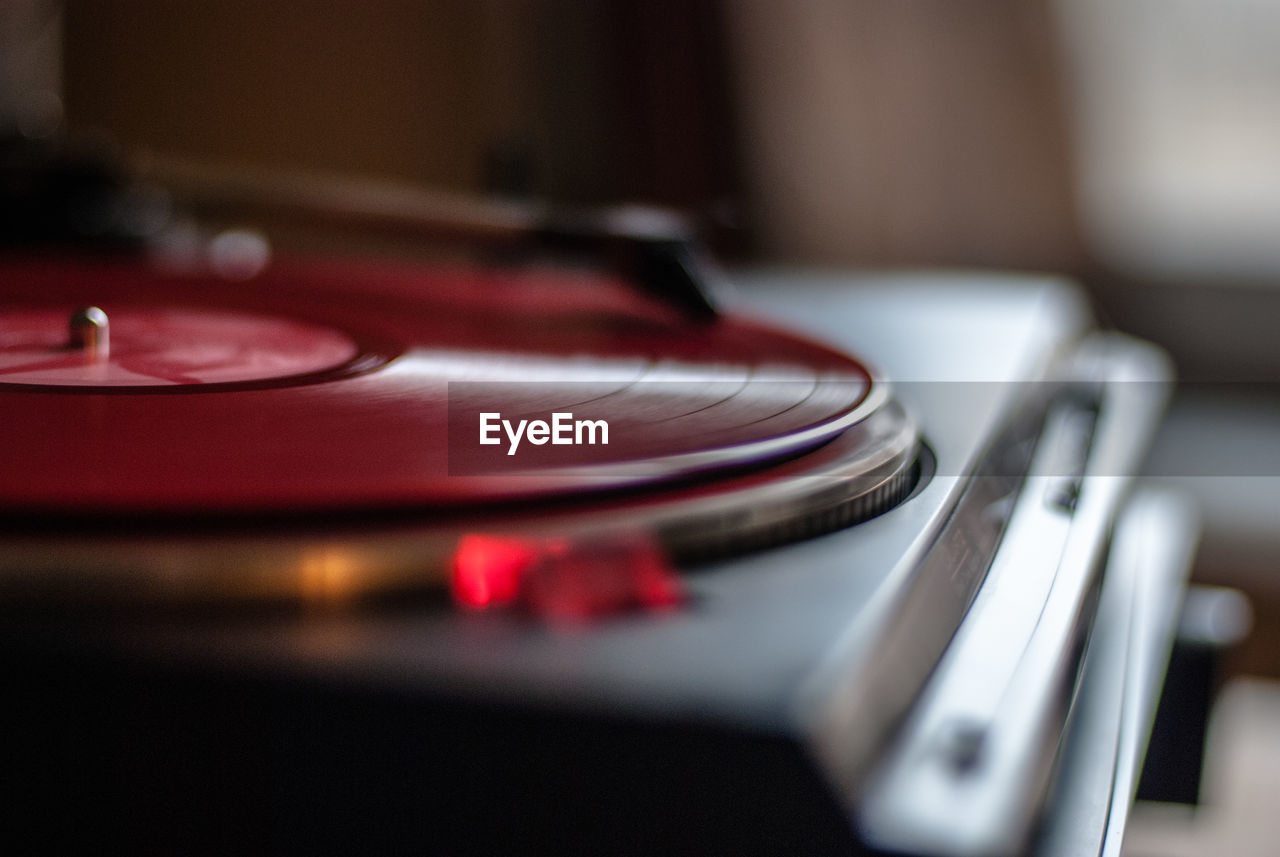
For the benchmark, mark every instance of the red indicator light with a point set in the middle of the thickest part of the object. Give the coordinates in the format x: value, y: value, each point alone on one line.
x: 581, y: 581
x: 563, y: 580
x: 487, y: 570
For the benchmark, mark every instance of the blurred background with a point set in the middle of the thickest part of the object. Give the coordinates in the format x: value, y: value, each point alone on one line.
x: 1131, y: 144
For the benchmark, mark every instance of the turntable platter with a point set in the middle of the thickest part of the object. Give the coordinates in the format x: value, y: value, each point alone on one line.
x: 190, y: 436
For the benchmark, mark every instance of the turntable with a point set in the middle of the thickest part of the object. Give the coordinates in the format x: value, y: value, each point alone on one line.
x: 384, y: 557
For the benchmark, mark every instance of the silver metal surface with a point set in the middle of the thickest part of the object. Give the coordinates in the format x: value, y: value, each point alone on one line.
x: 1012, y: 667
x: 1123, y: 670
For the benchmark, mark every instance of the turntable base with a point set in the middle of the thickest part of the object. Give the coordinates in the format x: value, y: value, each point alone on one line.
x: 750, y: 716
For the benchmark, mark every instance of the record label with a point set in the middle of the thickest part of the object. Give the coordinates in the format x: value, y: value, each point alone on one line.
x: 151, y: 346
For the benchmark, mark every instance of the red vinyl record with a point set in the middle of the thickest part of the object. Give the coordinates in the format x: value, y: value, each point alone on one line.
x: 333, y: 386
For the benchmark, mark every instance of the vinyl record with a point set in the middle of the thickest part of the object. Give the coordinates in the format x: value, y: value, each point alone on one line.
x: 324, y: 386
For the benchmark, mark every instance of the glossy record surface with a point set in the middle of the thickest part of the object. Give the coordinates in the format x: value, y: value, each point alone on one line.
x: 366, y: 395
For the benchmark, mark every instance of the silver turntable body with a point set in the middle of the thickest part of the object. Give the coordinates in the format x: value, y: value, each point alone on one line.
x: 932, y: 681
